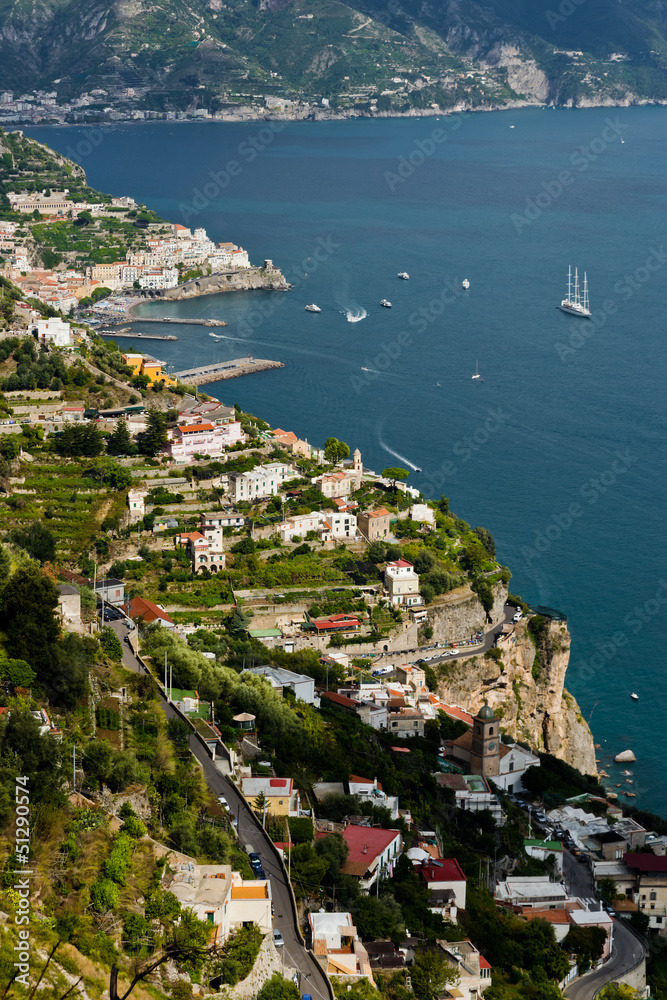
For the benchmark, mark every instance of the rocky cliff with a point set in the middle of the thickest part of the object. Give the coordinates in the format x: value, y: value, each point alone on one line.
x: 527, y: 689
x: 459, y: 614
x: 270, y: 279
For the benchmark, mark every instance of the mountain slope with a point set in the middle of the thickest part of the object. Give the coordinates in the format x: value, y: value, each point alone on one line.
x: 407, y: 54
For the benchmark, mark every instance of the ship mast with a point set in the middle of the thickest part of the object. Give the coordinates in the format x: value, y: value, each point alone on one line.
x: 585, y: 292
x: 569, y: 284
x: 577, y: 300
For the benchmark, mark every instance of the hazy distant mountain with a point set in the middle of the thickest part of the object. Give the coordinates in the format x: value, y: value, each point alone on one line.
x: 398, y: 53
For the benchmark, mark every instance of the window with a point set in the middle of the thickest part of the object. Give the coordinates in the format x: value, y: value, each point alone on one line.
x: 209, y: 916
x: 511, y: 765
x: 653, y: 896
x: 658, y: 920
x: 281, y: 802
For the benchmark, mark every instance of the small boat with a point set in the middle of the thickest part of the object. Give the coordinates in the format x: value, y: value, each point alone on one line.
x: 576, y: 303
x: 465, y: 284
x: 386, y: 303
x: 635, y: 697
x: 418, y: 470
x: 312, y: 308
x: 404, y: 275
x: 477, y: 375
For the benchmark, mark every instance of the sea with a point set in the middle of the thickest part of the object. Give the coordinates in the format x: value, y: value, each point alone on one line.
x: 559, y: 449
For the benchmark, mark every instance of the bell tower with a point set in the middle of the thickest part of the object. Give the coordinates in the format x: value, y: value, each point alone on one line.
x: 485, y: 748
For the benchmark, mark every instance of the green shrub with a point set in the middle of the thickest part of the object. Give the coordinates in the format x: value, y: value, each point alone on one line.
x: 104, y: 895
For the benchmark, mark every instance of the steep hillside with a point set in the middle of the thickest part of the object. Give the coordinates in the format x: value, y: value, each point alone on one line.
x: 401, y: 56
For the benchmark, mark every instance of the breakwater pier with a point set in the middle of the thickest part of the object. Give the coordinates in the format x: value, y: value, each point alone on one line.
x: 171, y: 319
x: 117, y: 334
x: 224, y: 370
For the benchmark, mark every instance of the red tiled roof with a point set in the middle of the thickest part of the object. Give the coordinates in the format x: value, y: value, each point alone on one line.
x: 355, y: 779
x: 401, y: 564
x: 139, y: 607
x: 372, y: 839
x: 340, y: 699
x: 453, y: 712
x: 447, y: 870
x: 645, y: 862
x: 483, y: 964
x: 193, y: 428
x: 278, y: 782
x: 552, y: 916
x: 380, y: 512
x: 194, y: 536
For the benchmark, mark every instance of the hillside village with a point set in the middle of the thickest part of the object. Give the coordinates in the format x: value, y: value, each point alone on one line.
x: 225, y: 654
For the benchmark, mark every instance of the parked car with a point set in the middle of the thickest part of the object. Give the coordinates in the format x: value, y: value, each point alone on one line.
x: 278, y: 939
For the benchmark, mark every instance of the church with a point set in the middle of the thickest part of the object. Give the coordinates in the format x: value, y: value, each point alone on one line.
x: 480, y: 751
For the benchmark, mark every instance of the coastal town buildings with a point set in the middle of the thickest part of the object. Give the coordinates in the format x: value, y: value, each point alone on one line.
x: 220, y: 896
x: 375, y: 525
x: 263, y: 481
x: 54, y: 331
x: 402, y: 583
x: 371, y: 852
x: 328, y: 525
x: 473, y: 969
x: 151, y: 368
x: 371, y: 791
x: 280, y: 678
x: 481, y: 751
x: 281, y: 796
x: 337, y: 946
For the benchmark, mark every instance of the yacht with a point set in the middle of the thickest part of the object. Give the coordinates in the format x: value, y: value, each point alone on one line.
x: 576, y: 302
x: 477, y: 375
x: 386, y: 303
x: 635, y: 697
x: 404, y: 275
x: 465, y: 284
x: 312, y: 308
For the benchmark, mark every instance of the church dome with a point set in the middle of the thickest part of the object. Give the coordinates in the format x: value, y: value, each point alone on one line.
x: 486, y: 712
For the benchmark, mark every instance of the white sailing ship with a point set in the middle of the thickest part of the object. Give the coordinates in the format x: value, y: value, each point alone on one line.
x: 576, y: 302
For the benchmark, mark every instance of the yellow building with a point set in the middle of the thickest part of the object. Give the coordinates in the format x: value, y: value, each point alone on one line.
x: 280, y: 795
x: 141, y: 365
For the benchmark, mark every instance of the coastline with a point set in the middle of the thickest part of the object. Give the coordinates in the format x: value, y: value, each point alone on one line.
x: 308, y: 113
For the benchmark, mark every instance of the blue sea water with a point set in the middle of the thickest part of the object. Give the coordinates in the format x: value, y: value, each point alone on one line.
x: 560, y: 450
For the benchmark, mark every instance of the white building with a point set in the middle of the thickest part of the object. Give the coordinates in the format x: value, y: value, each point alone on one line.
x: 221, y: 897
x: 337, y: 947
x: 373, y: 792
x: 202, y: 438
x: 474, y: 970
x: 535, y: 892
x: 402, y: 583
x: 54, y: 331
x: 263, y: 481
x: 328, y: 525
x: 422, y: 513
x: 302, y: 685
x: 159, y: 277
x: 136, y: 501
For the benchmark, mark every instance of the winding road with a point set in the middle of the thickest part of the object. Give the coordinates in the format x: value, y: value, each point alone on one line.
x: 295, y: 955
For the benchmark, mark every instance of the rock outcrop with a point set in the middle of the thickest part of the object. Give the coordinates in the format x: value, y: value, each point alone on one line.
x: 527, y: 689
x: 459, y: 614
x: 249, y: 278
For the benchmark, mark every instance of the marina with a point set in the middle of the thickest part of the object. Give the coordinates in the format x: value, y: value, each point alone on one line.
x: 224, y: 370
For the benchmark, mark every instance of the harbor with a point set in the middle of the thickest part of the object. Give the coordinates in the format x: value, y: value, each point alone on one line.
x: 224, y: 370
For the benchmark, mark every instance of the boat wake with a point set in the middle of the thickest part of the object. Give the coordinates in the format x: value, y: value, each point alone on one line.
x: 355, y: 314
x: 396, y: 454
x: 217, y: 336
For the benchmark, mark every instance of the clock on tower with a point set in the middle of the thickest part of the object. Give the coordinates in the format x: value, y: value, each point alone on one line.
x: 485, y: 752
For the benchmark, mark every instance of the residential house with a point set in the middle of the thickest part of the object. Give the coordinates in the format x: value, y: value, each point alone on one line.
x: 69, y: 604
x: 337, y: 947
x: 139, y: 608
x: 205, y: 547
x: 332, y: 625
x: 372, y: 852
x: 302, y: 685
x: 221, y: 897
x: 474, y: 970
x: 534, y: 892
x: 136, y: 501
x: 369, y: 713
x: 543, y: 850
x: 281, y: 796
x: 110, y: 591
x: 341, y: 483
x: 445, y: 875
x: 405, y: 722
x: 54, y: 331
x: 143, y: 365
x: 262, y: 481
x: 402, y: 583
x: 650, y: 886
x: 186, y: 701
x: 329, y: 525
x: 373, y: 792
x: 375, y: 525
x: 290, y: 442
x: 472, y: 793
x: 423, y: 514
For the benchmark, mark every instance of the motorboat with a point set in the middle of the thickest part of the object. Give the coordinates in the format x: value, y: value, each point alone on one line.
x: 404, y: 275
x: 312, y: 308
x: 386, y: 303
